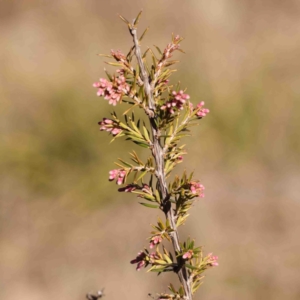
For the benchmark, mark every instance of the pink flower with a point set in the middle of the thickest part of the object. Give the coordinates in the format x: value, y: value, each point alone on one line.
x: 202, y: 112
x: 146, y: 189
x: 197, y: 189
x: 128, y: 188
x: 171, y: 47
x: 113, y: 91
x: 188, y: 255
x: 176, y: 102
x: 140, y: 260
x: 212, y: 260
x: 155, y: 240
x: 118, y: 174
x: 140, y: 265
x: 118, y: 55
x: 154, y: 256
x: 110, y: 126
x: 163, y: 82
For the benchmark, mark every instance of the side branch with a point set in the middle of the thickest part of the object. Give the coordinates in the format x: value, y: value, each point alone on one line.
x: 158, y: 154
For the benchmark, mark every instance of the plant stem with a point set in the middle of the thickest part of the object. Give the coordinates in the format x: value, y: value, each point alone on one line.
x: 158, y: 154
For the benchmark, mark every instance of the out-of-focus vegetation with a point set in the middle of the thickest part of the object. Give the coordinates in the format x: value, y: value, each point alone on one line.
x: 65, y: 230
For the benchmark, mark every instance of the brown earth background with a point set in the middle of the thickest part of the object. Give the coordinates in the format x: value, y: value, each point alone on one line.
x: 65, y: 230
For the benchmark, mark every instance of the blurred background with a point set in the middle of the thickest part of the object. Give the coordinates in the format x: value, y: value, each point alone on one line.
x: 65, y: 230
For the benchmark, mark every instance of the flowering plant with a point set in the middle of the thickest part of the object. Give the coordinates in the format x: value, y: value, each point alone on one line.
x: 170, y: 114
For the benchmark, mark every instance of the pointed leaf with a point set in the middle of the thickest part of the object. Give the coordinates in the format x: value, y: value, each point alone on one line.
x: 191, y: 267
x: 143, y: 34
x: 136, y: 21
x: 142, y: 175
x: 159, y: 51
x: 149, y: 205
x: 124, y: 20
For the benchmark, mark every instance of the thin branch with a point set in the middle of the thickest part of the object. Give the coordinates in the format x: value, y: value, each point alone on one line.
x: 158, y: 154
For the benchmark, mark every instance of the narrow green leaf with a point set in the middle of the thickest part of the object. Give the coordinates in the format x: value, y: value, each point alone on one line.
x: 191, y: 177
x: 115, y: 64
x: 157, y: 48
x: 143, y: 145
x: 137, y: 139
x: 108, y: 75
x: 136, y: 21
x: 154, y: 61
x: 124, y: 20
x: 156, y: 269
x: 142, y: 175
x: 125, y: 163
x: 171, y: 62
x: 136, y: 128
x: 119, y: 165
x: 157, y: 196
x: 168, y: 259
x: 149, y: 197
x: 141, y: 93
x: 146, y: 134
x: 160, y: 224
x: 130, y: 54
x: 151, y: 181
x: 128, y: 110
x: 180, y: 50
x: 196, y: 286
x: 191, y: 267
x: 181, y: 291
x: 145, y: 53
x: 143, y: 34
x: 138, y: 192
x: 192, y: 244
x: 149, y: 205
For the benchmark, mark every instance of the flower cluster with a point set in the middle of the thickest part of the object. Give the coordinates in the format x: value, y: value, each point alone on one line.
x: 141, y: 260
x: 171, y: 47
x: 132, y: 187
x: 144, y: 258
x: 197, y: 189
x: 202, y: 112
x: 155, y: 240
x: 118, y: 174
x: 114, y: 90
x: 118, y: 55
x: 188, y: 255
x: 146, y: 189
x: 153, y: 257
x: 176, y: 102
x: 212, y: 260
x: 110, y: 126
x: 128, y: 188
x: 179, y: 159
